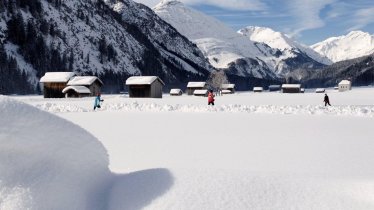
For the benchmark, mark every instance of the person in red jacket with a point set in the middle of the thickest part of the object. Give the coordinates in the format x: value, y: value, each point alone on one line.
x: 211, y: 98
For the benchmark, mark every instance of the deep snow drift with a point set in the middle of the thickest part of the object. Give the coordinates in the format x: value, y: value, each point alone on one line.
x: 226, y: 157
x: 49, y: 163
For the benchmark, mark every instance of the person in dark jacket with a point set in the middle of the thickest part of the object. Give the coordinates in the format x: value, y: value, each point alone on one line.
x: 211, y: 98
x: 326, y: 100
x: 97, y: 101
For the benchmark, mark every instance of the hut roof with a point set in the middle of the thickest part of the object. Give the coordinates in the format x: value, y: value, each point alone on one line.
x: 57, y: 77
x: 78, y: 89
x: 319, y: 90
x: 175, y: 91
x: 84, y: 80
x: 345, y: 82
x: 227, y: 86
x: 226, y: 91
x: 291, y: 86
x: 274, y: 86
x: 142, y: 80
x: 196, y: 84
x: 258, y: 88
x: 200, y: 92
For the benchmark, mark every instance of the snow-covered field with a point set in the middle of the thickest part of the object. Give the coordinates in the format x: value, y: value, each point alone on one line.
x: 251, y: 151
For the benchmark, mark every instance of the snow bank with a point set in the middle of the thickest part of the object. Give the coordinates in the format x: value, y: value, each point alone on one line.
x: 342, y: 110
x: 49, y: 163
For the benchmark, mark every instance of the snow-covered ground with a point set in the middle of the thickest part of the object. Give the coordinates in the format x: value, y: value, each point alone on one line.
x: 251, y: 151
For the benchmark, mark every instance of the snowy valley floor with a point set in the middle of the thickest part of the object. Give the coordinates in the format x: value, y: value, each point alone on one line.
x: 252, y: 151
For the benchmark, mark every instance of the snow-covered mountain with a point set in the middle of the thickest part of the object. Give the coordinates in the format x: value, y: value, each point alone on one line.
x: 113, y: 39
x: 219, y: 43
x: 280, y: 41
x: 225, y: 48
x: 353, y: 45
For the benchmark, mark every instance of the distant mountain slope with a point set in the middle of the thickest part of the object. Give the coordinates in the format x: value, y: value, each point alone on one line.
x: 227, y: 49
x: 353, y: 45
x: 359, y: 70
x: 219, y: 43
x: 111, y: 39
x: 280, y: 41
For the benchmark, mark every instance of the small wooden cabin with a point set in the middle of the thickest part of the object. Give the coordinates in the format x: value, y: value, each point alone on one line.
x: 345, y: 85
x: 320, y: 90
x: 145, y: 87
x: 201, y: 93
x: 54, y: 82
x: 92, y: 83
x: 192, y: 86
x: 273, y: 88
x: 176, y: 92
x: 226, y: 92
x: 76, y: 92
x: 258, y: 89
x: 230, y: 87
x: 291, y: 88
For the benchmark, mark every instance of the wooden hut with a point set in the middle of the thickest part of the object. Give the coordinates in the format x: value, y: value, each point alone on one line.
x: 201, y: 93
x: 230, y: 87
x: 176, y: 92
x: 226, y: 92
x: 76, y: 92
x: 192, y: 86
x: 320, y: 90
x: 145, y: 87
x: 273, y: 88
x: 258, y: 89
x: 291, y: 88
x: 92, y: 83
x: 54, y: 82
x: 345, y: 85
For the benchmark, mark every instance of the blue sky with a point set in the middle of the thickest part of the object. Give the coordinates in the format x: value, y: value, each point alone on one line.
x: 308, y: 21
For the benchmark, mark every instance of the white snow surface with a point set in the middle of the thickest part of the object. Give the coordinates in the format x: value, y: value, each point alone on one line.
x: 251, y: 151
x: 49, y: 163
x: 57, y: 77
x: 83, y: 80
x: 353, y: 45
x: 281, y: 41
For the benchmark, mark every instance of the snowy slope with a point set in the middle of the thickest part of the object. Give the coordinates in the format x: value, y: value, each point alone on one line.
x: 254, y: 161
x: 281, y: 41
x: 219, y: 43
x: 353, y: 45
x: 139, y: 44
x: 225, y: 48
x: 49, y: 163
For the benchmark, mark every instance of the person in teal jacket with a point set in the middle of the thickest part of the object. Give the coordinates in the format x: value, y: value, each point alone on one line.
x: 97, y: 101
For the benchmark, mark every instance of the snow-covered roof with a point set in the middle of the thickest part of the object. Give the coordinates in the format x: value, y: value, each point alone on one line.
x: 227, y: 86
x: 78, y: 89
x: 320, y: 90
x: 258, y: 89
x: 345, y: 82
x: 226, y: 91
x: 83, y: 80
x: 175, y: 91
x: 274, y: 86
x: 57, y: 77
x: 196, y: 84
x: 200, y: 92
x: 291, y: 86
x: 142, y: 80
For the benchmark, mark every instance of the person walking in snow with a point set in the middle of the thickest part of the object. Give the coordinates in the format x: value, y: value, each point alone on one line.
x: 211, y: 98
x: 97, y: 101
x: 326, y: 100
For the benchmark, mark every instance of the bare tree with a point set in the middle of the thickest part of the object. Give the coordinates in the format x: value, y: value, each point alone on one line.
x: 216, y: 79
